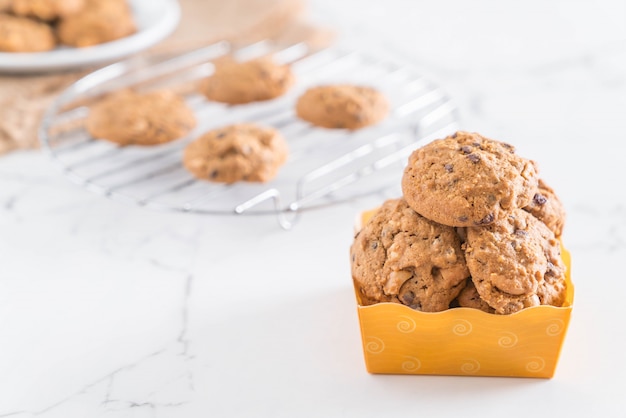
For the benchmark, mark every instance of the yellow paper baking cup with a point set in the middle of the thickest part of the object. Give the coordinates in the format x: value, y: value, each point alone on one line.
x: 464, y: 341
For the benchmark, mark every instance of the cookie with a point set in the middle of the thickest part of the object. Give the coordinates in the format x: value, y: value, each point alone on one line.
x: 47, y: 10
x: 515, y: 263
x: 553, y: 289
x: 469, y: 298
x: 236, y: 82
x: 547, y: 207
x: 342, y: 106
x: 20, y: 34
x: 6, y: 5
x: 242, y: 152
x: 98, y: 22
x: 468, y: 180
x: 129, y: 118
x: 400, y: 256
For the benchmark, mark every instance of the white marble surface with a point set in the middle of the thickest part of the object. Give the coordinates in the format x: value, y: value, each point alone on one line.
x: 109, y: 310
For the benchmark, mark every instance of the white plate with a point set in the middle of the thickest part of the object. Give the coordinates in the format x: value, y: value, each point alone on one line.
x: 155, y: 20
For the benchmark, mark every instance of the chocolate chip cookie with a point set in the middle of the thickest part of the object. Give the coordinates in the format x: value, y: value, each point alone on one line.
x: 99, y: 21
x: 468, y: 180
x: 242, y: 152
x: 6, y: 5
x: 129, y: 118
x: 235, y: 82
x: 547, y: 207
x: 47, y: 10
x: 515, y: 263
x: 400, y: 256
x: 20, y: 34
x: 342, y: 106
x: 469, y: 298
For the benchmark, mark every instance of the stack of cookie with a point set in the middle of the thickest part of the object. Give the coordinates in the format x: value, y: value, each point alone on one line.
x: 40, y: 25
x: 476, y: 227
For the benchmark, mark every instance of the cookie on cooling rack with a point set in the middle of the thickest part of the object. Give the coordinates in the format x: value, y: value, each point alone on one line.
x: 516, y: 263
x: 47, y: 10
x: 99, y: 21
x: 129, y: 118
x: 400, y: 256
x: 241, y: 152
x: 235, y: 82
x: 468, y: 180
x: 20, y: 34
x: 342, y: 106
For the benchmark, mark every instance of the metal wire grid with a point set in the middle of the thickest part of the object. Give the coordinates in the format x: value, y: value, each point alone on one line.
x: 325, y: 166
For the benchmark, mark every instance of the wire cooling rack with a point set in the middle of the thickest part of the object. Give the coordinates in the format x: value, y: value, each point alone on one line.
x: 325, y: 166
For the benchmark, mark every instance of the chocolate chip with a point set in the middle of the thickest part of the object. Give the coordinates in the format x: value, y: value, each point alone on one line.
x: 510, y: 147
x: 214, y: 174
x: 474, y: 158
x: 449, y: 168
x: 374, y: 245
x: 454, y: 135
x: 463, y: 218
x: 540, y: 199
x: 408, y: 297
x: 520, y: 233
x: 466, y: 150
x: 220, y: 135
x: 486, y: 220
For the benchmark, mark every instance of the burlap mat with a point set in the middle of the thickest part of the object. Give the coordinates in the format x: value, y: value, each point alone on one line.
x: 23, y: 99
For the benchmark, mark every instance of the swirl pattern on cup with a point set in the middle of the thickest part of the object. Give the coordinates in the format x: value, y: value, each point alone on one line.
x: 555, y: 327
x: 407, y: 324
x: 411, y: 364
x: 462, y: 327
x: 470, y: 366
x: 507, y: 340
x: 375, y: 345
x: 535, y: 364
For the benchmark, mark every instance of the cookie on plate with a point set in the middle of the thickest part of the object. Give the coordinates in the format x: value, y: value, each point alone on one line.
x: 241, y: 152
x: 516, y: 263
x: 98, y: 22
x: 400, y: 256
x: 129, y: 118
x: 47, y: 10
x: 468, y: 180
x: 20, y: 34
x: 235, y: 82
x: 342, y: 106
x: 547, y: 207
